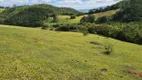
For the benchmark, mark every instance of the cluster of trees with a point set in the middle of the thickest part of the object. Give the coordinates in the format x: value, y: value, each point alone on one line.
x: 72, y: 16
x: 130, y: 32
x: 34, y: 15
x: 88, y: 19
x: 92, y: 19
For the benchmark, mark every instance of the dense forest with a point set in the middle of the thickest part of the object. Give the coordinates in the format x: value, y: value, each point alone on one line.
x: 130, y: 11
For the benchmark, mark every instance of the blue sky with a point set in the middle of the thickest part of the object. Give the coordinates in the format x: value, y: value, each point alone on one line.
x: 77, y: 4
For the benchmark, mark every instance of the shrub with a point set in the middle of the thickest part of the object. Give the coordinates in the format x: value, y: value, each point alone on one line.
x: 102, y: 19
x: 67, y: 27
x: 83, y: 29
x: 108, y: 48
x: 55, y: 18
x: 95, y: 43
x: 45, y: 27
x: 72, y: 16
x: 56, y: 25
x: 63, y: 28
x: 88, y: 19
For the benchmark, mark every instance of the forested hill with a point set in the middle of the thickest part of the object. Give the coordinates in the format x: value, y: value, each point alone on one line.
x: 130, y: 11
x: 26, y: 15
x: 49, y: 8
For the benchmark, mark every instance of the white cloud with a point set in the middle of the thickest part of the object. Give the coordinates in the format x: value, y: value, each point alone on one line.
x: 78, y: 4
x: 20, y: 2
x: 73, y: 1
x: 38, y: 1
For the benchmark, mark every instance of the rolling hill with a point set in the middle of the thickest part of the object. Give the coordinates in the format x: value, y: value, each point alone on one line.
x: 47, y: 53
x: 32, y: 15
x: 31, y: 53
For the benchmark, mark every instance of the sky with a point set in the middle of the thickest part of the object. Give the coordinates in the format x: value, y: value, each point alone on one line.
x: 77, y: 4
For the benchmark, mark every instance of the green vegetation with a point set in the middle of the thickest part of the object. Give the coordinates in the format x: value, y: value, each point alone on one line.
x: 88, y: 19
x: 131, y: 10
x: 130, y: 32
x: 1, y: 9
x: 45, y: 27
x: 42, y: 54
x: 28, y: 53
x: 106, y: 13
x: 102, y: 19
x: 108, y: 48
x: 65, y: 19
x: 33, y: 16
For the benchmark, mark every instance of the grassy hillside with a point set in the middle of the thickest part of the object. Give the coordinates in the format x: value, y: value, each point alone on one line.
x: 1, y: 9
x: 106, y: 13
x: 27, y: 53
x: 65, y: 19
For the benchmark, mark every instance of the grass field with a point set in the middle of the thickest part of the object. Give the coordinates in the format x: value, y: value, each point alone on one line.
x: 1, y: 9
x: 106, y: 13
x: 35, y: 54
x: 65, y: 19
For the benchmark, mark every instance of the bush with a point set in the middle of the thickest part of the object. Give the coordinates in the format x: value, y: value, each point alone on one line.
x: 62, y: 27
x: 108, y: 49
x: 72, y: 16
x: 102, y: 19
x: 55, y: 18
x: 83, y: 29
x: 66, y: 27
x: 88, y: 19
x: 45, y: 27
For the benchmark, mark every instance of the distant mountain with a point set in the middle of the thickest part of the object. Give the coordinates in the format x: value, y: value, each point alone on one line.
x: 105, y: 8
x: 32, y: 15
x: 83, y: 10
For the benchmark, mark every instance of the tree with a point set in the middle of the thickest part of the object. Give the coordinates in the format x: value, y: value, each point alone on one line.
x: 72, y: 16
x: 102, y: 19
x: 55, y: 18
x: 89, y: 18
